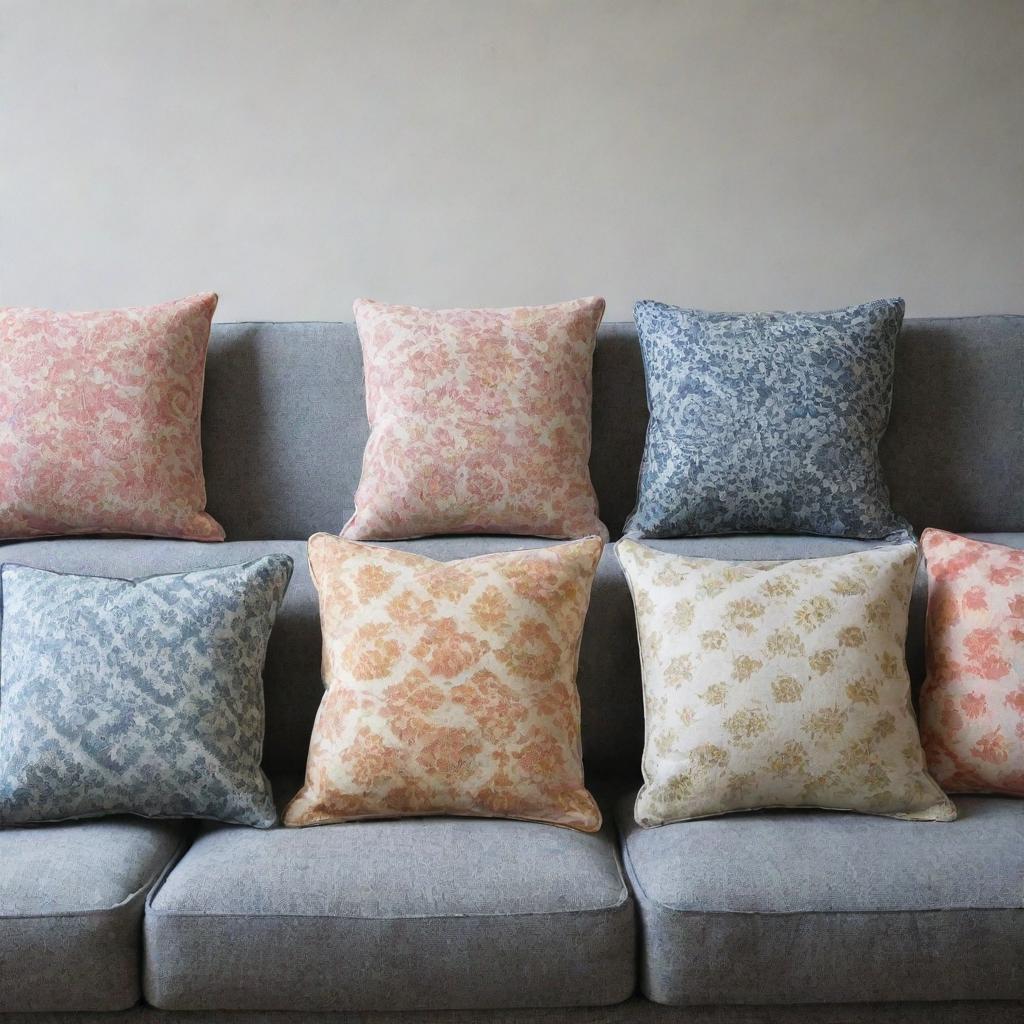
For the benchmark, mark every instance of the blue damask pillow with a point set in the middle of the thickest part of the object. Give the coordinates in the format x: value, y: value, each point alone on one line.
x: 766, y: 422
x: 136, y: 697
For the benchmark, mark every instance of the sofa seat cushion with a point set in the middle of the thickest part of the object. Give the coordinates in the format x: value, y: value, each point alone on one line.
x: 71, y: 902
x: 413, y: 914
x: 814, y: 906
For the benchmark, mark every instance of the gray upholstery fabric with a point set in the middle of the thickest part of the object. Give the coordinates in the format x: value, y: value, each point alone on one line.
x: 956, y: 431
x: 411, y: 914
x: 818, y: 906
x: 609, y: 676
x: 284, y: 425
x: 619, y: 422
x: 636, y: 1010
x: 71, y: 901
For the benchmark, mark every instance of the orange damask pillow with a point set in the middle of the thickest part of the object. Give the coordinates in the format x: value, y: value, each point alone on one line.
x: 479, y: 421
x: 99, y: 421
x: 450, y: 686
x: 972, y: 701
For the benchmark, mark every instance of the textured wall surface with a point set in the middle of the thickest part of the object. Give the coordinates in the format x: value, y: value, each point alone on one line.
x: 737, y: 154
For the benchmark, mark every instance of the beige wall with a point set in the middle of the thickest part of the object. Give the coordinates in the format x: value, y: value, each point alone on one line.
x: 293, y: 154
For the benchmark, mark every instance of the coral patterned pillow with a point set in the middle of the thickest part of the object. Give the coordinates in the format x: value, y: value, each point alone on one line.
x: 479, y: 421
x: 972, y: 701
x: 99, y: 421
x: 451, y: 686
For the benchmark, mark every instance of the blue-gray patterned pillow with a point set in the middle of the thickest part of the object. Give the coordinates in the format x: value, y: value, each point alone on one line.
x: 136, y: 697
x: 766, y: 422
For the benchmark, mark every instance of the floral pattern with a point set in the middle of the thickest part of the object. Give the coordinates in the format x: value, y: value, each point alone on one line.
x: 136, y: 697
x: 787, y: 688
x: 766, y: 422
x: 450, y: 687
x: 479, y: 421
x: 99, y: 421
x: 972, y: 701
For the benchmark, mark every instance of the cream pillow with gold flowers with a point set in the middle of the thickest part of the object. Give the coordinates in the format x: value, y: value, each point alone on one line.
x: 778, y: 684
x: 450, y: 686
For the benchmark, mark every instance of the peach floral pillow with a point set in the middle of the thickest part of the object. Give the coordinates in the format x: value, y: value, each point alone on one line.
x: 99, y: 421
x: 972, y: 701
x: 450, y: 686
x: 479, y: 421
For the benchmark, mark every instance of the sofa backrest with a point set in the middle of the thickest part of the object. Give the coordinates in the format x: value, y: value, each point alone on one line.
x: 284, y: 425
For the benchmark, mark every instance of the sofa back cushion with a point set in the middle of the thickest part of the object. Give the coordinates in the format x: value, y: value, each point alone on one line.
x: 952, y: 452
x: 284, y: 425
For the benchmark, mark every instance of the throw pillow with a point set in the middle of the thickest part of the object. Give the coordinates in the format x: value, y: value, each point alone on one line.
x: 99, y: 421
x: 766, y: 422
x: 972, y: 701
x: 450, y: 686
x: 479, y: 421
x: 778, y: 684
x: 136, y: 697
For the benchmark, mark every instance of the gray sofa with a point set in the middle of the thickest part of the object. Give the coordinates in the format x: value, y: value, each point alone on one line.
x: 798, y: 916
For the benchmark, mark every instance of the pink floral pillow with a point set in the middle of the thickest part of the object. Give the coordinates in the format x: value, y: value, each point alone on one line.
x: 972, y: 702
x: 99, y: 421
x: 479, y: 421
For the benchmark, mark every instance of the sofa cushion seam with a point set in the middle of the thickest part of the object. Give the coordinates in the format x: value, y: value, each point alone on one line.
x: 906, y: 912
x: 611, y: 908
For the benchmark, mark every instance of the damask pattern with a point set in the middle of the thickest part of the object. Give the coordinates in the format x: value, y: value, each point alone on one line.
x: 99, y: 421
x: 479, y: 421
x: 136, y: 697
x: 450, y: 686
x: 972, y: 701
x: 766, y: 422
x: 778, y: 684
